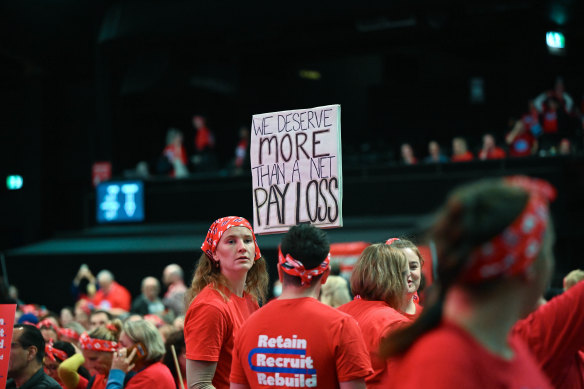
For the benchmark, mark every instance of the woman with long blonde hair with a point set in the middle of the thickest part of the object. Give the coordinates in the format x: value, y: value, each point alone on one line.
x: 229, y: 281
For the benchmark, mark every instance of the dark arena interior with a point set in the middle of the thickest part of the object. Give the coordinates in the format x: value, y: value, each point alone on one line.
x: 103, y: 80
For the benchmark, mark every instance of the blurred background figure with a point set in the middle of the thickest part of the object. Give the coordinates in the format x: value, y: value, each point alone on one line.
x: 490, y: 150
x: 335, y: 292
x: 565, y: 147
x: 204, y: 159
x: 407, y: 154
x: 111, y: 296
x: 572, y: 278
x: 521, y: 141
x: 148, y: 302
x: 175, y: 163
x: 242, y: 151
x: 99, y: 319
x: 174, y: 298
x: 460, y: 151
x: 435, y: 154
x: 176, y: 339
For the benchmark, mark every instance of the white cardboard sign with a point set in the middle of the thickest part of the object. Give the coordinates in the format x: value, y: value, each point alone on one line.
x: 296, y: 169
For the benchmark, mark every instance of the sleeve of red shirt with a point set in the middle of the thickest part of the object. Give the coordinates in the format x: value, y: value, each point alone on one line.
x: 351, y: 353
x: 205, y: 329
x: 555, y: 331
x: 237, y: 373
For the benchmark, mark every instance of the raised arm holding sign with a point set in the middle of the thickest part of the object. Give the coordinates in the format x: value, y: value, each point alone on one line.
x: 296, y: 168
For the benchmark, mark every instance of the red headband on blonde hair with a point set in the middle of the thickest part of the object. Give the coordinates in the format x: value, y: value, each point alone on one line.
x: 89, y: 343
x: 219, y: 227
x: 516, y: 247
x: 295, y: 268
x: 54, y: 353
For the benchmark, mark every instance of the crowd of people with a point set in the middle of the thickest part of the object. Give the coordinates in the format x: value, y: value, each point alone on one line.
x: 551, y: 126
x: 481, y: 323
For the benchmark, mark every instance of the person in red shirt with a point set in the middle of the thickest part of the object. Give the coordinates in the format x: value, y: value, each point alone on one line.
x: 229, y: 280
x: 98, y: 348
x: 490, y: 150
x: 521, y: 141
x: 175, y: 153
x: 111, y: 296
x: 554, y: 335
x: 494, y: 247
x: 460, y: 151
x: 295, y: 340
x: 380, y: 283
x: 415, y: 262
x: 142, y: 350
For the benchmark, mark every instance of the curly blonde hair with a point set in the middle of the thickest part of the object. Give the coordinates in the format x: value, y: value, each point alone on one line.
x: 256, y: 283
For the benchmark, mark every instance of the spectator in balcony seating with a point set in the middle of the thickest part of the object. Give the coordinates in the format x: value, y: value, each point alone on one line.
x: 435, y: 154
x: 460, y: 151
x: 407, y: 154
x: 521, y: 141
x: 490, y: 150
x: 175, y: 154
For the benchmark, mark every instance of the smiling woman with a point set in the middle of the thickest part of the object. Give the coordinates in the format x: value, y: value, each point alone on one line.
x: 229, y: 280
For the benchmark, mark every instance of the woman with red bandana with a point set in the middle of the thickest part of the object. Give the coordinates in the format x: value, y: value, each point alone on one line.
x: 229, y: 280
x: 98, y: 348
x: 493, y: 241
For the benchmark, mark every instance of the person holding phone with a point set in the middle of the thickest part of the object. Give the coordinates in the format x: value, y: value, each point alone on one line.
x: 142, y: 350
x: 229, y: 280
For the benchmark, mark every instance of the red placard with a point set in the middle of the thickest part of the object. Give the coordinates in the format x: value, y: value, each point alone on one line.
x: 101, y: 171
x: 7, y: 312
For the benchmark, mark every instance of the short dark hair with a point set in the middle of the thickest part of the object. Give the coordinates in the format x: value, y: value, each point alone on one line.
x: 109, y: 315
x: 31, y: 336
x: 306, y: 244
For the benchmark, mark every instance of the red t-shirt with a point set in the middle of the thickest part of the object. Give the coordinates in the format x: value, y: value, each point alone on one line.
x: 555, y: 335
x: 462, y: 157
x: 155, y: 376
x: 299, y: 343
x: 496, y: 153
x: 449, y: 357
x: 210, y: 323
x: 116, y: 297
x: 376, y: 320
x: 522, y: 145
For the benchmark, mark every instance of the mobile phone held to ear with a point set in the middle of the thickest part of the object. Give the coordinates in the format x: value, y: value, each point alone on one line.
x: 141, y: 352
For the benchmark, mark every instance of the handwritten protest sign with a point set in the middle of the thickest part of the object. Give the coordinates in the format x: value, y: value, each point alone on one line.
x: 296, y: 169
x: 7, y: 312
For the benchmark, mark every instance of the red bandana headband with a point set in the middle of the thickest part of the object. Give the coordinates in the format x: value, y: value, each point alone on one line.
x: 295, y: 268
x: 219, y: 227
x: 54, y: 353
x: 514, y: 249
x: 69, y: 333
x: 89, y: 343
x: 47, y: 324
x: 390, y: 241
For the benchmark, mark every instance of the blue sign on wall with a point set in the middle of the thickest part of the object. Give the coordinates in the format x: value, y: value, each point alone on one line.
x: 120, y: 201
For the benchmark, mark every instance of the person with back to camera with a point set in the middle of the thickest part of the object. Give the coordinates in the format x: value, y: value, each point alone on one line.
x: 493, y: 241
x: 554, y: 333
x: 295, y: 340
x: 379, y: 283
x: 142, y: 351
x: 229, y: 280
x: 415, y: 262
